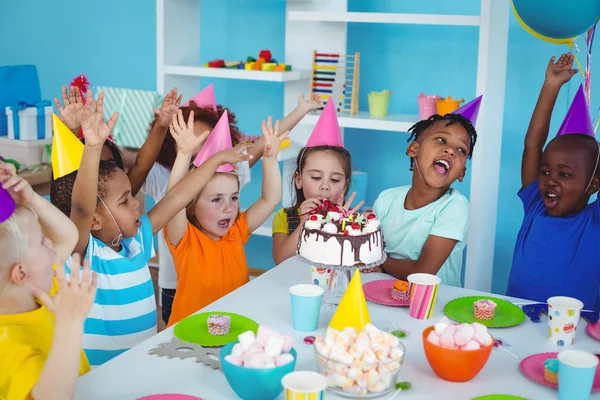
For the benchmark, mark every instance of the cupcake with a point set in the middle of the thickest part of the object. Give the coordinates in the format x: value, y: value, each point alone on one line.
x: 218, y: 325
x: 551, y: 370
x: 484, y: 309
x: 400, y: 291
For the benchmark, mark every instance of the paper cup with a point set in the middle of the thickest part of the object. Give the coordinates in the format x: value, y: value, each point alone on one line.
x: 576, y: 372
x: 306, y: 307
x: 304, y: 385
x: 423, y: 290
x: 563, y: 316
x: 320, y: 276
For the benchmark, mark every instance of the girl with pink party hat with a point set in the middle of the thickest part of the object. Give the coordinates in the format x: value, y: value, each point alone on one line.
x: 207, y: 238
x: 425, y: 224
x: 323, y: 172
x: 557, y: 252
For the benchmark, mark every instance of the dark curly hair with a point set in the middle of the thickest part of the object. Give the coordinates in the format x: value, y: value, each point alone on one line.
x: 168, y: 152
x: 417, y: 129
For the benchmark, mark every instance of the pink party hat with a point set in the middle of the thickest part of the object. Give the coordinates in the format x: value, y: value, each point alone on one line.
x: 218, y: 140
x: 206, y: 98
x: 7, y: 205
x: 470, y: 110
x: 327, y: 131
x: 577, y: 120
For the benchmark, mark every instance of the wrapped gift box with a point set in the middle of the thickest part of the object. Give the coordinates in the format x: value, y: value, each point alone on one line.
x: 17, y: 83
x: 26, y: 152
x: 30, y: 121
x: 135, y: 113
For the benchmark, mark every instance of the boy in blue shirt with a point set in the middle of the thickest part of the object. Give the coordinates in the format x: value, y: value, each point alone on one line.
x: 425, y: 224
x: 557, y: 251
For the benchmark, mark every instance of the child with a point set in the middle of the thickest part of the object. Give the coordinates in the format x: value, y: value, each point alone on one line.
x: 323, y: 171
x: 207, y: 244
x: 557, y: 250
x: 117, y: 238
x: 425, y: 225
x: 40, y: 353
x: 206, y: 115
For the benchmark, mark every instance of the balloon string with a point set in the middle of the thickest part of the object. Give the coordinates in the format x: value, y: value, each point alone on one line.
x: 581, y: 69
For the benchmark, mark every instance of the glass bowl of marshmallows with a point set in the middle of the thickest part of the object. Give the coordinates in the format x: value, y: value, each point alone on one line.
x: 359, y: 365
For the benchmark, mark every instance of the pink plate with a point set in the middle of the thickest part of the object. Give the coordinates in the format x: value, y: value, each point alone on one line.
x: 593, y: 330
x: 533, y: 368
x: 380, y: 292
x: 169, y: 397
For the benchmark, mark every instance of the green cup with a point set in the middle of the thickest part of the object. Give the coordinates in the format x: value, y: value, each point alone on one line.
x: 378, y: 103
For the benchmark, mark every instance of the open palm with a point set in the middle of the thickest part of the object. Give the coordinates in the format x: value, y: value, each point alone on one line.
x: 168, y: 109
x: 272, y: 138
x: 312, y: 104
x: 95, y: 130
x: 562, y: 71
x: 187, y: 142
x: 73, y: 106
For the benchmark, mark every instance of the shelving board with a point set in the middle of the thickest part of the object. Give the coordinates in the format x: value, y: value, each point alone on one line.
x: 362, y: 120
x: 226, y: 73
x: 385, y: 18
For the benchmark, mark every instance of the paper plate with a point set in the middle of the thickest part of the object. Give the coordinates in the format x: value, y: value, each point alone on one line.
x: 533, y: 368
x: 194, y: 329
x: 499, y: 397
x: 169, y: 397
x: 380, y: 292
x: 507, y: 314
x: 593, y: 330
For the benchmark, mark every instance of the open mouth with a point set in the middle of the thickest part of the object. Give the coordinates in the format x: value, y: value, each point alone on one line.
x: 550, y: 199
x: 138, y: 223
x: 224, y: 223
x: 441, y: 166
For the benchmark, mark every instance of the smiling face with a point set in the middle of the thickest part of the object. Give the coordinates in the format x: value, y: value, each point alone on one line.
x: 441, y: 154
x: 218, y: 205
x: 567, y: 166
x: 323, y: 175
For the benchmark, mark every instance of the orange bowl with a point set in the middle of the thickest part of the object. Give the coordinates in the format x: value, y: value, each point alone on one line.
x: 455, y: 365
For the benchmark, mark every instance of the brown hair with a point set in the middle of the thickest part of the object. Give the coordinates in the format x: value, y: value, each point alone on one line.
x: 341, y: 153
x: 168, y: 153
x: 189, y: 209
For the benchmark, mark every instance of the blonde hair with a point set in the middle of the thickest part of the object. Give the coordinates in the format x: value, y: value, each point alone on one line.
x: 13, y: 239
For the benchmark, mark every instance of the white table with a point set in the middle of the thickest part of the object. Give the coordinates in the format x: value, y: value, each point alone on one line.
x: 266, y: 300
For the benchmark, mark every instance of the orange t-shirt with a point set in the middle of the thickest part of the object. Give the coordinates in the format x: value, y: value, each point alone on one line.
x: 207, y: 269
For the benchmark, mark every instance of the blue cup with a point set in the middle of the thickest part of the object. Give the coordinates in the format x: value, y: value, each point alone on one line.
x: 306, y: 307
x: 576, y: 372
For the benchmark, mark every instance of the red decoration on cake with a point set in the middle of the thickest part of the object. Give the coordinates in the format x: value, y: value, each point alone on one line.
x: 371, y: 216
x: 313, y: 218
x: 355, y: 225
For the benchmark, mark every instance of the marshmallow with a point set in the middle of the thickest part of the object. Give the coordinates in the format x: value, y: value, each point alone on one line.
x: 434, y: 338
x: 447, y: 340
x: 237, y: 350
x: 372, y: 376
x: 479, y: 327
x: 381, y: 351
x: 344, y: 382
x: 274, y: 345
x: 377, y: 387
x: 464, y: 334
x: 288, y: 343
x: 355, y: 374
x: 472, y: 345
x: 341, y: 355
x: 441, y: 326
x: 369, y: 357
x: 484, y: 338
x: 231, y: 359
x: 396, y: 353
x: 284, y: 359
x: 356, y: 390
x: 356, y: 351
x: 343, y: 340
x: 263, y: 334
x: 341, y: 369
x: 254, y: 349
x: 257, y: 361
x: 247, y: 339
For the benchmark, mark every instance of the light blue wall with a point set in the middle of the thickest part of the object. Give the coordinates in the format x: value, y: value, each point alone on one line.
x: 114, y: 43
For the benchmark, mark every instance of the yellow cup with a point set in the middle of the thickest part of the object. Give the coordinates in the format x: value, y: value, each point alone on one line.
x: 304, y: 385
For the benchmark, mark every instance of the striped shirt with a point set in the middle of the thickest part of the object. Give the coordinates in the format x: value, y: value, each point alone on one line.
x: 124, y: 312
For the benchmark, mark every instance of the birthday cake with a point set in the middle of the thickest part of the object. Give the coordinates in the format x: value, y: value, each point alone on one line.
x: 337, y: 239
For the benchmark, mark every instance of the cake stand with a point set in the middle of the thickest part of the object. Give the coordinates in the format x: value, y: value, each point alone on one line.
x: 339, y: 279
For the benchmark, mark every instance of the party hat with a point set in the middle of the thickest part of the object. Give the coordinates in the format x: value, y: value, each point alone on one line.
x: 206, y: 98
x: 7, y: 205
x: 327, y: 131
x: 218, y: 140
x: 67, y: 150
x: 352, y: 311
x: 577, y: 120
x: 470, y: 110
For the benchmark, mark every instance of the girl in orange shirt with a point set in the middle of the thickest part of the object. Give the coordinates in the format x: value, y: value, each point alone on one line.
x: 207, y: 238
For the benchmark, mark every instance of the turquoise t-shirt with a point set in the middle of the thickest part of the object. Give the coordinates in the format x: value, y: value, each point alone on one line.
x: 405, y: 231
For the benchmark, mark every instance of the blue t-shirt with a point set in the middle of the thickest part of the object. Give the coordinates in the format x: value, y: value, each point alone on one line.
x: 405, y: 231
x: 556, y: 256
x: 124, y: 312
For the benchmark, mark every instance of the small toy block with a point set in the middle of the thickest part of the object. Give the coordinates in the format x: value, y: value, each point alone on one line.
x: 258, y: 64
x: 266, y: 55
x: 232, y: 64
x: 242, y: 66
x: 250, y: 59
x: 216, y: 63
x: 288, y: 67
x: 279, y: 68
x: 268, y: 67
x: 274, y: 61
x: 249, y: 66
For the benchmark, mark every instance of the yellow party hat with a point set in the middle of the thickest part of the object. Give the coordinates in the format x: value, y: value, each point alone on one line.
x: 352, y: 311
x: 67, y: 150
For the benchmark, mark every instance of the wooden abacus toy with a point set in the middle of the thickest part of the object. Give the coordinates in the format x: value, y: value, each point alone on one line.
x: 335, y: 77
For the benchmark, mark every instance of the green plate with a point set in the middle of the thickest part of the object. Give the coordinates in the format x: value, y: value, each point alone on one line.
x: 507, y: 314
x: 499, y: 397
x: 194, y: 329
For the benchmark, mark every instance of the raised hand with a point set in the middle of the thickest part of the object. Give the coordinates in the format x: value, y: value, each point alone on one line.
x: 70, y: 114
x: 168, y: 109
x: 74, y: 299
x: 312, y: 104
x: 187, y: 142
x: 272, y: 138
x: 349, y: 203
x: 95, y: 130
x: 19, y: 189
x: 309, y: 205
x: 562, y: 71
x: 234, y: 155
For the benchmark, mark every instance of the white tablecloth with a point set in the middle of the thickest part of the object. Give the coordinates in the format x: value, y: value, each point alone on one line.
x: 266, y: 300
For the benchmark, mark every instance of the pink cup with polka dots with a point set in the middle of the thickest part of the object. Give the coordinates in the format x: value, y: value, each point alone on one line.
x: 563, y: 317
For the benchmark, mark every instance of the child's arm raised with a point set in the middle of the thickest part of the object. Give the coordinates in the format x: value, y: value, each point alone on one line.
x: 55, y: 225
x: 258, y: 212
x: 70, y: 308
x: 187, y: 143
x: 147, y: 155
x: 70, y: 114
x: 557, y: 74
x: 85, y: 189
x: 288, y: 123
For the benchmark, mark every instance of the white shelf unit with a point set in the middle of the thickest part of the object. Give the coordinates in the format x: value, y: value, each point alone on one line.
x: 322, y: 24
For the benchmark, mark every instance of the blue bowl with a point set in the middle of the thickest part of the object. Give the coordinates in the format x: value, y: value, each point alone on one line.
x: 255, y: 384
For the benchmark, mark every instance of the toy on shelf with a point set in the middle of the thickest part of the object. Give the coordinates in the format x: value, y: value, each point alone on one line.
x: 337, y: 76
x: 264, y: 62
